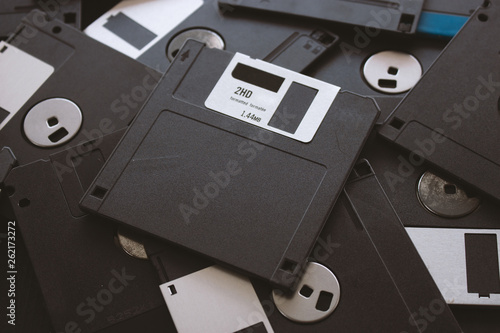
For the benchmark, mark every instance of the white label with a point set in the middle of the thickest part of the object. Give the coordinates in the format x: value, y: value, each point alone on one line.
x: 158, y: 16
x: 214, y: 300
x: 21, y: 76
x: 254, y: 97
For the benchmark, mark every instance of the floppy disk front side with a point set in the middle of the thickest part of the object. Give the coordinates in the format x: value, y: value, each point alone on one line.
x: 237, y: 159
x: 363, y: 275
x: 451, y: 117
x: 89, y: 283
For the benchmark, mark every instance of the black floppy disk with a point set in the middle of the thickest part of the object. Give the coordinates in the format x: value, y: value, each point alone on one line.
x: 399, y: 16
x: 234, y: 156
x: 456, y: 232
x: 60, y: 88
x: 130, y: 28
x: 355, y: 281
x: 12, y: 11
x: 371, y: 62
x: 451, y: 117
x: 366, y: 60
x: 431, y: 17
x: 88, y: 282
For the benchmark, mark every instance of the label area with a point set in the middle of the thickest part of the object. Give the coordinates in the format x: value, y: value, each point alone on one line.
x: 132, y: 27
x: 272, y: 97
x: 22, y: 75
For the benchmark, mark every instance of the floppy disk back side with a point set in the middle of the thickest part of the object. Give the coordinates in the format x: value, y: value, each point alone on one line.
x: 354, y: 281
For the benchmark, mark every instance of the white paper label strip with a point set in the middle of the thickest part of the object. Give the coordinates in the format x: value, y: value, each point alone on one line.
x: 272, y: 97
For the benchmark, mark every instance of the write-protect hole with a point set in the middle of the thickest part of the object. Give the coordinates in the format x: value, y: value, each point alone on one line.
x: 482, y: 17
x: 58, y: 135
x: 306, y: 291
x: 56, y: 29
x: 363, y: 169
x: 324, y: 301
x: 450, y: 189
x: 397, y: 123
x: 391, y: 84
x: 99, y: 192
x: 172, y: 290
x: 393, y: 70
x: 24, y: 203
x: 323, y: 37
x: 406, y: 22
x: 88, y: 143
x: 10, y: 190
x: 4, y: 48
x: 69, y: 17
x: 53, y: 121
x: 289, y: 266
x: 486, y: 3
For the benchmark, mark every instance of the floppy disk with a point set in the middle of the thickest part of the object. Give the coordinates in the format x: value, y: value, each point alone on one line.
x: 399, y: 16
x: 367, y: 61
x: 355, y: 281
x: 455, y: 127
x: 51, y: 100
x: 233, y: 156
x: 446, y: 18
x: 455, y: 231
x: 153, y: 32
x: 89, y: 283
x: 372, y: 63
x: 12, y: 11
x: 433, y: 17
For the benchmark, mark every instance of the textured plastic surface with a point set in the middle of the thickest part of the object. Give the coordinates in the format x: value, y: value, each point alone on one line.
x: 455, y: 127
x: 265, y: 194
x: 357, y: 244
x: 401, y: 16
x: 108, y: 87
x: 74, y: 255
x: 399, y: 173
x: 12, y: 11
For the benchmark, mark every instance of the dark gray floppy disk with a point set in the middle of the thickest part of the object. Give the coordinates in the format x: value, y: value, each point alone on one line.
x: 451, y: 118
x: 206, y: 166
